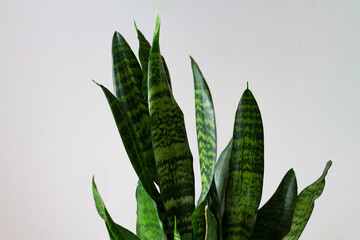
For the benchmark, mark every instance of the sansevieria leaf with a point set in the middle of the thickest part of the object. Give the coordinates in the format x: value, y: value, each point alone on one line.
x: 144, y: 51
x: 221, y: 174
x: 148, y: 224
x: 305, y: 205
x: 116, y: 232
x: 128, y: 78
x: 171, y: 149
x: 205, y: 128
x: 131, y: 143
x: 176, y: 232
x: 246, y: 167
x: 274, y: 218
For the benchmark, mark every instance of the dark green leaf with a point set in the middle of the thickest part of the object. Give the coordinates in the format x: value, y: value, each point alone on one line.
x: 246, y: 168
x: 131, y: 143
x: 204, y: 223
x: 205, y: 128
x: 274, y: 219
x: 176, y: 232
x: 305, y: 205
x: 211, y: 225
x: 116, y: 232
x: 221, y: 174
x: 148, y: 224
x: 128, y: 89
x: 171, y: 149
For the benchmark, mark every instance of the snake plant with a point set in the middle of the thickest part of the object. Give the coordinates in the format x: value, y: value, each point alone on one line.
x: 152, y: 129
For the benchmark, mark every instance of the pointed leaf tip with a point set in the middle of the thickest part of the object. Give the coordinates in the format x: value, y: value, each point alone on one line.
x: 95, y: 82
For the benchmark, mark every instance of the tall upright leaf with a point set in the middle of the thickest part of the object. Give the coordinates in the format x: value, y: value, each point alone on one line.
x: 148, y: 224
x: 221, y: 174
x: 246, y: 167
x: 305, y: 205
x: 274, y: 218
x: 116, y: 232
x: 171, y: 149
x: 205, y: 128
x: 144, y: 51
x: 128, y: 79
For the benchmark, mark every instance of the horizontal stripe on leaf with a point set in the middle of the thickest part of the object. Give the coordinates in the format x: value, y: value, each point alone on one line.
x: 171, y: 149
x: 128, y: 79
x: 305, y: 205
x: 246, y: 167
x: 274, y: 219
x: 116, y: 232
x: 205, y: 129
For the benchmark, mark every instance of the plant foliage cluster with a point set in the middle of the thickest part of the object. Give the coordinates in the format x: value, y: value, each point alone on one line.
x: 152, y: 129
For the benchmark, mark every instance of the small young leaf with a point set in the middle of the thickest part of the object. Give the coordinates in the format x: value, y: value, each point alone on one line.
x: 205, y: 128
x: 148, y: 224
x: 246, y: 168
x: 274, y: 218
x: 116, y: 232
x: 305, y: 205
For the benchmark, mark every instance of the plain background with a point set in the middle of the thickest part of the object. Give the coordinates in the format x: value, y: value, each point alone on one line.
x: 301, y: 59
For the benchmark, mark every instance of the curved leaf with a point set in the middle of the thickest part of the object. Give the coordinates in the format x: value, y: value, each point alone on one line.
x: 205, y: 129
x: 148, y: 224
x: 305, y: 205
x: 128, y: 89
x: 274, y: 218
x: 131, y: 143
x: 171, y: 149
x: 246, y: 168
x: 221, y: 174
x: 116, y: 232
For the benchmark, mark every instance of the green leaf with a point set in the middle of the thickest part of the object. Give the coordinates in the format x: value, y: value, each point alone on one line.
x: 171, y: 149
x: 221, y: 174
x: 148, y: 224
x: 116, y: 232
x: 176, y: 232
x: 144, y: 51
x: 212, y: 226
x: 274, y: 218
x: 205, y: 128
x: 305, y: 205
x: 128, y: 89
x: 246, y: 168
x: 131, y: 143
x: 204, y: 223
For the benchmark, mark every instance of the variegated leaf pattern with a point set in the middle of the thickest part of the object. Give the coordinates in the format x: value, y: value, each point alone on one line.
x: 131, y: 143
x: 221, y: 174
x: 205, y: 129
x: 305, y: 205
x: 148, y: 224
x: 246, y: 167
x: 128, y: 79
x: 274, y: 219
x: 171, y: 149
x: 116, y: 232
x: 144, y: 51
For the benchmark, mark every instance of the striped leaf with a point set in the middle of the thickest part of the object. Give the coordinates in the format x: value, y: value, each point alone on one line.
x: 205, y: 128
x: 274, y: 219
x: 305, y: 205
x: 171, y: 149
x: 246, y: 167
x: 131, y: 143
x: 199, y: 223
x: 148, y: 224
x: 144, y: 51
x: 221, y: 174
x: 116, y: 232
x: 128, y: 78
